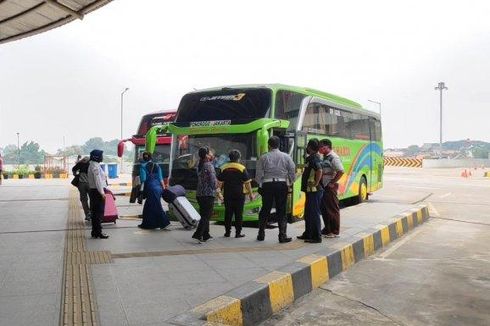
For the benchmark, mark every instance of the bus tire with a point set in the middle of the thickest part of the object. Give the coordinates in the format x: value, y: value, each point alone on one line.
x: 362, y: 196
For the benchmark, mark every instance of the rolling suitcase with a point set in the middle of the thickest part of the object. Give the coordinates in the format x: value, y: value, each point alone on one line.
x: 110, y: 209
x: 183, y: 210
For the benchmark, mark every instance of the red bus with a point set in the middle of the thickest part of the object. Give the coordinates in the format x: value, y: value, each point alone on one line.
x: 161, y: 155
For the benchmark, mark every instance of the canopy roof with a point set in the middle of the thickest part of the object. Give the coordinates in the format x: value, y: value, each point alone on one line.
x: 23, y: 18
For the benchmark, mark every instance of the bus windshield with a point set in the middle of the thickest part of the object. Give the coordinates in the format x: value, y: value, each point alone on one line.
x: 234, y: 105
x: 185, y: 155
x: 161, y: 155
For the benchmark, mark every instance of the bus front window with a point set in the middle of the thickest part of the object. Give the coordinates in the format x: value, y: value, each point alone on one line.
x: 186, y: 159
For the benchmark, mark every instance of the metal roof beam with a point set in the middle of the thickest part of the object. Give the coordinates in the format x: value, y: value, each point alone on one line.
x: 66, y: 9
x: 22, y: 13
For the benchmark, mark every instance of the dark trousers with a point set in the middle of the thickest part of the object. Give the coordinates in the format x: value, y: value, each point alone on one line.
x: 313, y: 224
x: 330, y: 211
x: 234, y: 206
x: 84, y: 189
x: 97, y: 206
x: 206, y: 204
x: 274, y: 192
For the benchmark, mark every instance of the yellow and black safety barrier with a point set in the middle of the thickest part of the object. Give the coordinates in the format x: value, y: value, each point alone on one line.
x: 403, y: 162
x: 257, y: 300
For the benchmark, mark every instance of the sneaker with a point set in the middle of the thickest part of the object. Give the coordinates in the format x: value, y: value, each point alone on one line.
x: 227, y: 234
x: 206, y: 238
x: 302, y: 237
x: 260, y: 237
x: 239, y: 235
x: 285, y: 240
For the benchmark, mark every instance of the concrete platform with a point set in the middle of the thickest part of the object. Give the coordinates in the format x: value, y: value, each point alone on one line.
x: 136, y: 277
x: 158, y: 275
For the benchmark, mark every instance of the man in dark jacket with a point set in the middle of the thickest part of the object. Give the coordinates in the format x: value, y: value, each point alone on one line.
x: 234, y: 179
x: 81, y: 169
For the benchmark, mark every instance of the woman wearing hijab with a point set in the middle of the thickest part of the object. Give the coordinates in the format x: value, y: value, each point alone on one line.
x: 97, y: 182
x: 154, y: 216
x: 206, y: 190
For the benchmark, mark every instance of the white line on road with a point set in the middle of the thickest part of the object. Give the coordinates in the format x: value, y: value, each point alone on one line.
x: 433, y: 211
x: 400, y: 243
x: 446, y: 195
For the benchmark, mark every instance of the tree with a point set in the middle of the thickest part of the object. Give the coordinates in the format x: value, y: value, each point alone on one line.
x: 479, y: 152
x: 93, y: 143
x: 73, y: 150
x: 30, y: 153
x: 10, y: 154
x: 412, y: 150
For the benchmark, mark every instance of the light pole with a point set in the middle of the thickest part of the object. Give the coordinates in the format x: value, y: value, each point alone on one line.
x: 18, y: 150
x: 379, y: 105
x: 122, y: 110
x: 440, y: 87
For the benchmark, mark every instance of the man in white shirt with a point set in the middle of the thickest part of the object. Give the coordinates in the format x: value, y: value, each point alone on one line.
x: 97, y: 182
x: 275, y: 170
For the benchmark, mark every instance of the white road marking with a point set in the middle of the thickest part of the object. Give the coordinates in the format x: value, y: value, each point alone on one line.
x: 400, y: 243
x: 417, y: 187
x: 433, y: 211
x: 446, y: 195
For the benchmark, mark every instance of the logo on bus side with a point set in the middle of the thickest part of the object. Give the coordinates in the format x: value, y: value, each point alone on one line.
x: 237, y: 97
x: 342, y: 150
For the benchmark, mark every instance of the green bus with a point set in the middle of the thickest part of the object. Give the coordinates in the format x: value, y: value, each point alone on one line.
x: 244, y: 117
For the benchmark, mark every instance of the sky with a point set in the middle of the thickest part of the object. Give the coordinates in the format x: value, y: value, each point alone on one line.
x: 66, y: 83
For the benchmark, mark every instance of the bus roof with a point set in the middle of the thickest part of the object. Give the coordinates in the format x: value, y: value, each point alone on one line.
x: 335, y: 99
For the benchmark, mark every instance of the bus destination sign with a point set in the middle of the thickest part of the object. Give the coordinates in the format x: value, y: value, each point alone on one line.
x: 210, y: 123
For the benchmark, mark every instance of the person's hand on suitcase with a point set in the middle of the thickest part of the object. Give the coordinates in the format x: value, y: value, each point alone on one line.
x: 103, y: 197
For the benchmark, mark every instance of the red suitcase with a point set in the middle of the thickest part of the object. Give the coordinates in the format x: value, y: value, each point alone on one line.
x: 110, y: 209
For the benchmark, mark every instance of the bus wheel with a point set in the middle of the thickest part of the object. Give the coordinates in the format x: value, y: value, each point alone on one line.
x: 362, y: 196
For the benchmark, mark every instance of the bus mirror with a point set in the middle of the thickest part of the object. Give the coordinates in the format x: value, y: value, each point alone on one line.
x: 263, y: 137
x: 151, y: 139
x: 120, y: 148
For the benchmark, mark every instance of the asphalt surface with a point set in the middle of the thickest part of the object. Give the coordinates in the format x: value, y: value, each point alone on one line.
x: 439, y: 274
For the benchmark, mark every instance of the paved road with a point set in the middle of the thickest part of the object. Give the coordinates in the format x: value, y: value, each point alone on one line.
x: 32, y: 233
x: 437, y: 275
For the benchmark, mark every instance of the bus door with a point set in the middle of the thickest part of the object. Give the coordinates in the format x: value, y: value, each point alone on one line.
x: 293, y: 143
x: 375, y: 171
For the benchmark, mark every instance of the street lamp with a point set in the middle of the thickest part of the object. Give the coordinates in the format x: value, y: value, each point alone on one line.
x: 379, y: 105
x: 122, y: 109
x: 440, y: 87
x: 18, y: 150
